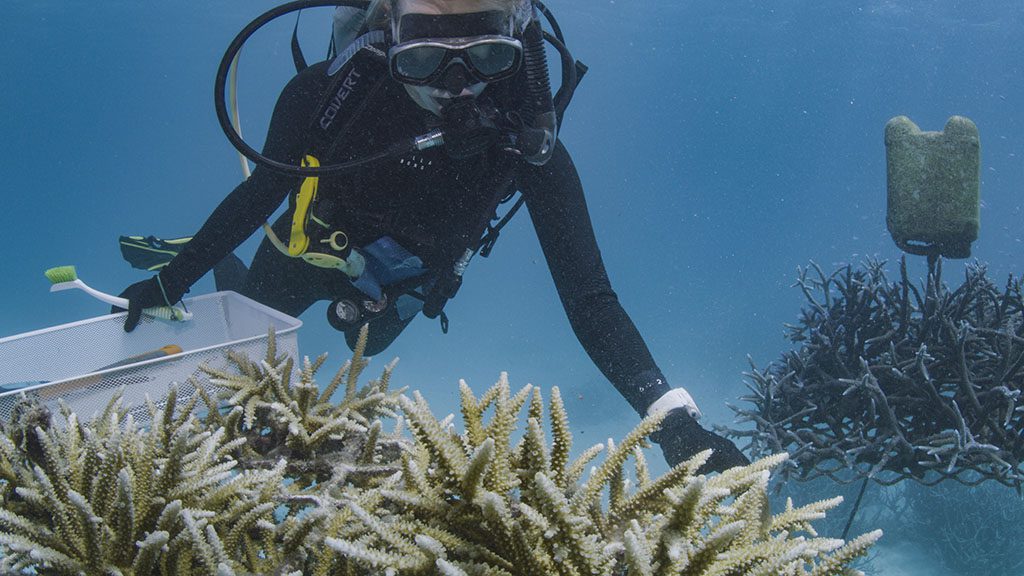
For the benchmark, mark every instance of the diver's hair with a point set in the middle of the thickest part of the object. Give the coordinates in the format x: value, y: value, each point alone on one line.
x: 522, y: 10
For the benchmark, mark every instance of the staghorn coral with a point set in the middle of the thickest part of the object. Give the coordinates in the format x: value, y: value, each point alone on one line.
x: 191, y: 495
x: 107, y: 498
x: 320, y: 439
x: 473, y: 503
x: 275, y: 479
x: 896, y: 382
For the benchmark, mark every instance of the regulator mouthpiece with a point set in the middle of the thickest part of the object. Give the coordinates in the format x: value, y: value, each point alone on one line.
x: 468, y: 130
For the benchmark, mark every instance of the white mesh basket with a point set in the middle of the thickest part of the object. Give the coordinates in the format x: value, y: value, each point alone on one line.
x: 67, y: 359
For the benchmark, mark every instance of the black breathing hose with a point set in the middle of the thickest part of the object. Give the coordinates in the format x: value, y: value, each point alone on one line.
x: 570, y: 76
x: 539, y: 109
x: 551, y: 20
x: 220, y: 87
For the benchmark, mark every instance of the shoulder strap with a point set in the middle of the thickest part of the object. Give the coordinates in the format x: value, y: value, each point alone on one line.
x: 355, y: 80
x: 343, y: 101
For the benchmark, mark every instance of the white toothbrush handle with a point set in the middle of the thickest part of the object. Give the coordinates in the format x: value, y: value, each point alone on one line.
x: 165, y: 312
x: 102, y: 296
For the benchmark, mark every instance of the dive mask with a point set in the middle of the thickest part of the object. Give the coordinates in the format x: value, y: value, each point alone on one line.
x: 428, y: 45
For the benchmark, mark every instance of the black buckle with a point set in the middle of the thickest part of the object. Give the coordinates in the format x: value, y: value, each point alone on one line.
x: 488, y: 241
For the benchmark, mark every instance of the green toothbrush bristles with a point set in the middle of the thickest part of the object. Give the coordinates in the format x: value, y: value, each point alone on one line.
x: 61, y: 274
x: 173, y: 313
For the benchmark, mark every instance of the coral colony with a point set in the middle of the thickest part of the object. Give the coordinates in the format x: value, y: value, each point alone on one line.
x: 275, y: 476
x: 893, y: 381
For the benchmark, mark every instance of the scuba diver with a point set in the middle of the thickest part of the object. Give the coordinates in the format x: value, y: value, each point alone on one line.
x: 384, y: 231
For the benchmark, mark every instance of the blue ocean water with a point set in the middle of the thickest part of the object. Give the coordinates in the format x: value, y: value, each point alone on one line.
x: 721, y: 144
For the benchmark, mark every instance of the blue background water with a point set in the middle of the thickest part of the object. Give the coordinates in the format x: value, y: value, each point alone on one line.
x: 721, y: 144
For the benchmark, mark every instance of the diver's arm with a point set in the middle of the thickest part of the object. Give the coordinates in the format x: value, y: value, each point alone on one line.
x: 558, y: 209
x: 554, y: 196
x: 255, y: 199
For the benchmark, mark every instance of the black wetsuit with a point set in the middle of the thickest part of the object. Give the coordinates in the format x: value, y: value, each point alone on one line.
x: 428, y: 202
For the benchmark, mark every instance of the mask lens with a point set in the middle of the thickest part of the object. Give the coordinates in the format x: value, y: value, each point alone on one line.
x: 418, y: 63
x: 492, y: 59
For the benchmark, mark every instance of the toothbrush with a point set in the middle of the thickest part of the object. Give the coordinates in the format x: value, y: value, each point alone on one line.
x: 66, y: 278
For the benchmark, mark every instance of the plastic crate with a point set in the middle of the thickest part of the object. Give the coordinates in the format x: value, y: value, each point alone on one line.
x: 67, y: 359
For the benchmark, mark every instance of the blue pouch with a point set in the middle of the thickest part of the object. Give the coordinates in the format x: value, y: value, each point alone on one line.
x: 387, y: 263
x: 408, y: 306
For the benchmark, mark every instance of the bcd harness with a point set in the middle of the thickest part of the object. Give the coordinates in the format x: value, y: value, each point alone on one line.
x: 358, y: 74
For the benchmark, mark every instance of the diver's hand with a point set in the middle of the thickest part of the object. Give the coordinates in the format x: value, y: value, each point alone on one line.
x: 141, y: 295
x: 681, y: 437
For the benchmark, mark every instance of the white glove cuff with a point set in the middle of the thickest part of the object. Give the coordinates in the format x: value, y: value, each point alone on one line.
x: 676, y: 398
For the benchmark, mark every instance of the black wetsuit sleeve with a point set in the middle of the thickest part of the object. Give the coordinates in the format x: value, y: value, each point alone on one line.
x: 554, y: 197
x: 255, y: 199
